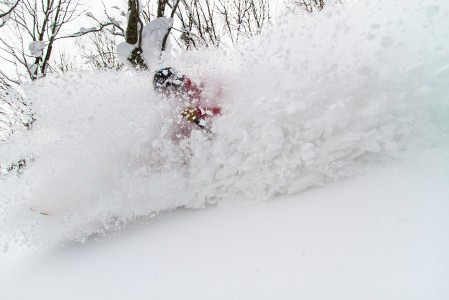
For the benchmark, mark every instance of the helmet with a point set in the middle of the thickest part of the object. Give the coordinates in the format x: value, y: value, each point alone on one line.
x: 166, y: 79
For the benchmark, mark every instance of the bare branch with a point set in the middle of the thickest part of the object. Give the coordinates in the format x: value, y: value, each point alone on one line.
x: 164, y: 42
x: 84, y: 32
x: 3, y: 74
x: 9, y: 11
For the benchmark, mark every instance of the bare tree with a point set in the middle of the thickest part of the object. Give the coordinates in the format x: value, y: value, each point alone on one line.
x: 63, y: 63
x: 198, y: 20
x: 213, y: 22
x: 100, y: 51
x: 15, y: 115
x: 4, y: 14
x: 38, y: 25
x: 308, y: 5
x: 202, y: 23
x: 147, y: 12
x: 244, y: 17
x: 15, y: 111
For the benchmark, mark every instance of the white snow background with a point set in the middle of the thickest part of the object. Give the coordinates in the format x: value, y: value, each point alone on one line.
x: 315, y: 100
x: 318, y: 98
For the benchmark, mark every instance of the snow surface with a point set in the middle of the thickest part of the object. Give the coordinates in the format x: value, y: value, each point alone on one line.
x: 353, y: 100
x: 384, y: 235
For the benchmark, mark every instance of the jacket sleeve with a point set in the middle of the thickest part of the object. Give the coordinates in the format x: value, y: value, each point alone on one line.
x: 194, y: 92
x: 207, y: 112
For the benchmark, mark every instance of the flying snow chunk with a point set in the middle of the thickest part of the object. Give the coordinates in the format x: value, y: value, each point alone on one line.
x: 432, y: 11
x: 153, y: 35
x: 124, y: 50
x: 387, y: 41
x: 36, y: 48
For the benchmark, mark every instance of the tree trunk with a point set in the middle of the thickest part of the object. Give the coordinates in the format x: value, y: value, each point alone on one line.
x: 132, y: 30
x: 161, y: 8
x: 134, y: 35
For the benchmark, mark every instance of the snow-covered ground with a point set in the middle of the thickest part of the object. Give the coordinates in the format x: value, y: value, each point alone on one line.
x: 325, y: 177
x: 384, y: 235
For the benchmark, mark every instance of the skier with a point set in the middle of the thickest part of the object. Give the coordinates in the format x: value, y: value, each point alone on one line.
x: 196, y: 109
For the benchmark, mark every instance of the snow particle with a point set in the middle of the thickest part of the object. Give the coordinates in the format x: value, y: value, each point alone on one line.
x: 387, y: 41
x: 36, y: 48
x: 432, y: 11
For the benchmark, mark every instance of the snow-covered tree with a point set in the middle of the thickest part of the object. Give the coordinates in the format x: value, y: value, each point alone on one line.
x: 35, y: 27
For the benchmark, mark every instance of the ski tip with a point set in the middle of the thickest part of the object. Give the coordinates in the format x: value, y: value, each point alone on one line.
x: 41, y: 212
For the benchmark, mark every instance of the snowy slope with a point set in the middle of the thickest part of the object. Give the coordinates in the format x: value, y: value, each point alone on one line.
x: 314, y: 100
x: 380, y: 236
x: 315, y: 110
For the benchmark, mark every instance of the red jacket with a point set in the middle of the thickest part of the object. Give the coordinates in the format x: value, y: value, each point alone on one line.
x: 194, y: 94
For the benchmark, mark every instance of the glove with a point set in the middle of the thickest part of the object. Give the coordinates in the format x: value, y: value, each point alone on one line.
x: 191, y: 114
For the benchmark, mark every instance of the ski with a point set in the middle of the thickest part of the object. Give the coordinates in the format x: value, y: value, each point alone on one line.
x: 41, y: 212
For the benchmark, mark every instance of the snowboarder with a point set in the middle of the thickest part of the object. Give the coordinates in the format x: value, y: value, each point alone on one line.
x: 168, y: 83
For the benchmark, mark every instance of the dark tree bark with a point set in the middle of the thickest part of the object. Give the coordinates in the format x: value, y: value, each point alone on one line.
x: 161, y: 7
x: 134, y: 35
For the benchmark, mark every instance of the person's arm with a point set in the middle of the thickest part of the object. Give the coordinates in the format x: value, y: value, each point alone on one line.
x: 207, y: 112
x: 192, y: 90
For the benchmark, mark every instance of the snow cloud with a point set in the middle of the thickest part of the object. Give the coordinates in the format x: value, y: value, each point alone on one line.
x: 315, y: 99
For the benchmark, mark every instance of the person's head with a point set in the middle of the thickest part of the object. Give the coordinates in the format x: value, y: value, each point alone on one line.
x: 167, y: 82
